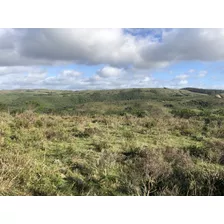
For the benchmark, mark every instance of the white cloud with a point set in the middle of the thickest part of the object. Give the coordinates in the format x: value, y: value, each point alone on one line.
x: 128, y: 55
x: 109, y: 71
x: 112, y: 77
x: 87, y: 46
x: 191, y: 71
x: 202, y: 73
x: 182, y: 76
x: 183, y: 82
x: 65, y: 78
x: 5, y: 70
x: 114, y: 47
x: 179, y: 81
x: 70, y: 73
x: 106, y: 78
x: 186, y: 44
x: 22, y: 81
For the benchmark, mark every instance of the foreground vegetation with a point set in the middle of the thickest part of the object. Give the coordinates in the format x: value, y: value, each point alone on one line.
x: 118, y: 142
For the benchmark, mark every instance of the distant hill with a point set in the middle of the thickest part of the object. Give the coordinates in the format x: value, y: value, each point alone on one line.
x: 117, y: 101
x: 205, y: 91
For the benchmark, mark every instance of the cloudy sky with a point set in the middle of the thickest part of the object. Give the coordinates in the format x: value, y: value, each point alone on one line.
x: 80, y: 59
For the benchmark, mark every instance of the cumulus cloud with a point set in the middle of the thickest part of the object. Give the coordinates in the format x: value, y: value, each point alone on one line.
x: 112, y: 77
x: 202, y: 73
x: 5, y: 70
x: 183, y: 82
x: 115, y: 47
x: 187, y: 44
x: 63, y: 79
x: 106, y: 78
x: 109, y: 71
x: 86, y: 46
x: 22, y: 81
x: 179, y: 81
x: 191, y: 71
x: 129, y: 56
x: 182, y: 76
x: 70, y: 74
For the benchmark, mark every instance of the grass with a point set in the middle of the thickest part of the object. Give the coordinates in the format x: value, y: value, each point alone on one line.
x: 126, y: 142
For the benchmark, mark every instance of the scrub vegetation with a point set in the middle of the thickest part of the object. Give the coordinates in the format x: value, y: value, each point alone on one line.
x: 112, y: 142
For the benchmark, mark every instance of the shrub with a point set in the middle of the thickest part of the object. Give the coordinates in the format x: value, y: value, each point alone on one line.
x: 184, y: 113
x: 198, y: 151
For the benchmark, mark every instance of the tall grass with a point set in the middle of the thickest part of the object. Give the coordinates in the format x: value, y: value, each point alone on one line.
x: 161, y: 154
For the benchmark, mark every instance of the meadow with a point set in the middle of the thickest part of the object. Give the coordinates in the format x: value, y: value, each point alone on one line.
x: 142, y: 142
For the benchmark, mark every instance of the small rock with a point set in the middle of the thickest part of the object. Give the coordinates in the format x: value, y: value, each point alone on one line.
x: 218, y: 96
x: 63, y: 176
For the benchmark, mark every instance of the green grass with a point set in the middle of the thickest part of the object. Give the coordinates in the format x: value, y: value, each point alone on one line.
x: 114, y: 142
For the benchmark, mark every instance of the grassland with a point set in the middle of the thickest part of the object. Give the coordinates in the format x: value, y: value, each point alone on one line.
x: 112, y: 142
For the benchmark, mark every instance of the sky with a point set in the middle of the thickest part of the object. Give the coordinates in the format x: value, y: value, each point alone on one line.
x: 79, y: 59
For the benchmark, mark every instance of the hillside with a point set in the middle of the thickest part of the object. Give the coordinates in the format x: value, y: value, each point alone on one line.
x: 103, y: 101
x: 205, y: 91
x: 111, y: 142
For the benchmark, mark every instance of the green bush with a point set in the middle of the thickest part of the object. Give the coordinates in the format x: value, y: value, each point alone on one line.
x: 184, y: 113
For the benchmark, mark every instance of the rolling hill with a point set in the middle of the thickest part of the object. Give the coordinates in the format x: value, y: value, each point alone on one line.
x: 111, y: 142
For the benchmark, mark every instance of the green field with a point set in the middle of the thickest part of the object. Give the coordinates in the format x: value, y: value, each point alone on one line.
x: 112, y: 142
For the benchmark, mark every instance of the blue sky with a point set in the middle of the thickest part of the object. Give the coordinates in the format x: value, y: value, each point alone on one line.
x: 111, y: 58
